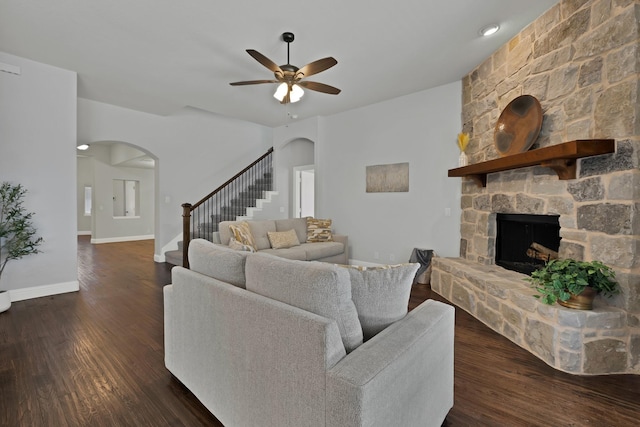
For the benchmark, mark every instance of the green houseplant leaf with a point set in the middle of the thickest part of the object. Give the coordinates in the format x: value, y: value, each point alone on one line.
x: 17, y: 233
x: 559, y: 278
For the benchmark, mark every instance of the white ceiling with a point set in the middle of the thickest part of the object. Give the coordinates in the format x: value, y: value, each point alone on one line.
x: 160, y: 56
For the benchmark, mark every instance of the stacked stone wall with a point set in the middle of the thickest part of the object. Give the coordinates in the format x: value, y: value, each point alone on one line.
x: 581, y: 60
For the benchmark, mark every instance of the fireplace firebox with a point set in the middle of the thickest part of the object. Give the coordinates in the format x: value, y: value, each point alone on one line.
x: 525, y: 242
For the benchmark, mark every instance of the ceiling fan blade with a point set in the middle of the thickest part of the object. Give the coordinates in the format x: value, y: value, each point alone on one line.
x: 316, y: 67
x: 253, y: 82
x: 264, y: 61
x: 319, y: 87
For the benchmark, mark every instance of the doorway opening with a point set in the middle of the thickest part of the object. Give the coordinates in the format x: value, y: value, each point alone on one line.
x: 303, y: 191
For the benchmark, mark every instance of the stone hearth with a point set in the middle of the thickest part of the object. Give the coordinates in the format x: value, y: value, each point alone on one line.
x: 574, y: 341
x: 581, y: 60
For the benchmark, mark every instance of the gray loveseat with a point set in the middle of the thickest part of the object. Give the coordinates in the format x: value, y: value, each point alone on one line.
x: 336, y: 251
x: 254, y: 360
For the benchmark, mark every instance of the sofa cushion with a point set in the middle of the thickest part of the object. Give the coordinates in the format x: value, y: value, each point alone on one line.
x: 318, y: 230
x: 322, y: 250
x: 217, y: 261
x: 323, y: 289
x: 296, y: 253
x: 298, y: 224
x: 259, y: 230
x: 242, y: 233
x: 237, y: 246
x: 225, y: 233
x: 283, y: 239
x: 381, y: 294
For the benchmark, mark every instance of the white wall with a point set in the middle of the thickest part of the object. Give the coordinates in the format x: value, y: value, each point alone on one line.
x: 106, y: 228
x: 299, y: 152
x: 196, y: 152
x: 421, y: 129
x: 85, y: 179
x: 37, y: 150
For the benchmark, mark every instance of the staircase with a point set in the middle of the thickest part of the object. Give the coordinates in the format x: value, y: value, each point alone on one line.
x: 250, y: 188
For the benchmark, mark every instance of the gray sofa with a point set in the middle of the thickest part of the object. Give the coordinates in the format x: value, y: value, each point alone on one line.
x: 256, y: 360
x: 336, y: 251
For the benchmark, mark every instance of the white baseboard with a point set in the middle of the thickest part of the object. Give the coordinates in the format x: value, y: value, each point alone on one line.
x: 84, y: 233
x: 122, y: 239
x: 159, y: 258
x: 44, y: 291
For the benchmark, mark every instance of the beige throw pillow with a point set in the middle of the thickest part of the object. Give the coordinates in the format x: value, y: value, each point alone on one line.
x: 242, y: 233
x: 319, y: 230
x: 283, y: 239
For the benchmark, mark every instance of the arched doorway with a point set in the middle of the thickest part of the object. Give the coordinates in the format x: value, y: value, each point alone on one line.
x: 117, y: 192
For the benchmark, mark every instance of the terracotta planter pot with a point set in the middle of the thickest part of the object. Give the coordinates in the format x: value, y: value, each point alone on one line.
x: 582, y: 301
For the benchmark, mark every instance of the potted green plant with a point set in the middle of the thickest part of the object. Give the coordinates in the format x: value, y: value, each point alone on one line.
x: 17, y: 233
x: 573, y: 283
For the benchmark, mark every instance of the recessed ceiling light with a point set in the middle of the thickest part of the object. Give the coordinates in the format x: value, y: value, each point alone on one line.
x: 83, y: 147
x: 489, y: 29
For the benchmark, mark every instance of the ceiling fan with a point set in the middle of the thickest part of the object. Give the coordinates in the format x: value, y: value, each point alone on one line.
x: 291, y: 77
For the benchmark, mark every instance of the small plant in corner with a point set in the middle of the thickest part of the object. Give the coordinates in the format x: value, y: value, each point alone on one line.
x: 563, y: 279
x: 17, y: 233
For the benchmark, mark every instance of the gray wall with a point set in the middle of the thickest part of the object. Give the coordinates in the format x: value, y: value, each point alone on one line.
x: 420, y: 129
x: 106, y: 228
x: 299, y: 152
x: 196, y: 152
x: 37, y: 150
x: 85, y: 178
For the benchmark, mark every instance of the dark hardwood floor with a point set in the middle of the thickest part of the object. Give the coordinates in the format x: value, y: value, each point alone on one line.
x: 95, y: 358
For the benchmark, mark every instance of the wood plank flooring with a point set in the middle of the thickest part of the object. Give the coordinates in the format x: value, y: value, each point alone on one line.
x: 95, y: 358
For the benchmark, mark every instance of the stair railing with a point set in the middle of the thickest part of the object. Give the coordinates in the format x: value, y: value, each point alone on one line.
x: 201, y: 219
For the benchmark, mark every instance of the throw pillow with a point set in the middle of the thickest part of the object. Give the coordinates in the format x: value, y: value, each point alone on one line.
x: 217, y: 261
x: 381, y: 294
x: 237, y: 246
x: 283, y: 239
x: 319, y: 230
x: 242, y: 233
x: 320, y: 288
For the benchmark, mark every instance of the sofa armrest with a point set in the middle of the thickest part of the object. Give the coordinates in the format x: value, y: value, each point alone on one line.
x: 402, y: 376
x: 344, y: 239
x: 340, y: 238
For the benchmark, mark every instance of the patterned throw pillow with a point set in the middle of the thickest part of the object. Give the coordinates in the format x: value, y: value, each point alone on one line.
x: 319, y: 230
x: 283, y: 239
x: 237, y: 246
x: 242, y: 233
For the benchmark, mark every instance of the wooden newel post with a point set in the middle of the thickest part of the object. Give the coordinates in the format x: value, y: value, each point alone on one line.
x: 186, y: 233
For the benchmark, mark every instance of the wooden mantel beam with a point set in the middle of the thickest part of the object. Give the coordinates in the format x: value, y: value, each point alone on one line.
x: 562, y: 158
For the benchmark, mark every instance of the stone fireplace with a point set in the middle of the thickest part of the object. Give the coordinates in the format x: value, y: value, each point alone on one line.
x: 524, y: 242
x: 581, y: 60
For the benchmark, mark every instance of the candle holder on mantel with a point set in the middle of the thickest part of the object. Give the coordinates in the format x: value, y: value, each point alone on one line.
x: 463, y: 141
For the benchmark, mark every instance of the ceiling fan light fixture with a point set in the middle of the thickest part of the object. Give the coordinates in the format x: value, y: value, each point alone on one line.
x: 288, y: 76
x: 281, y: 92
x: 83, y: 147
x: 296, y: 93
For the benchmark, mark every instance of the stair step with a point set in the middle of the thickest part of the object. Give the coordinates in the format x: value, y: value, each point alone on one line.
x: 173, y: 257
